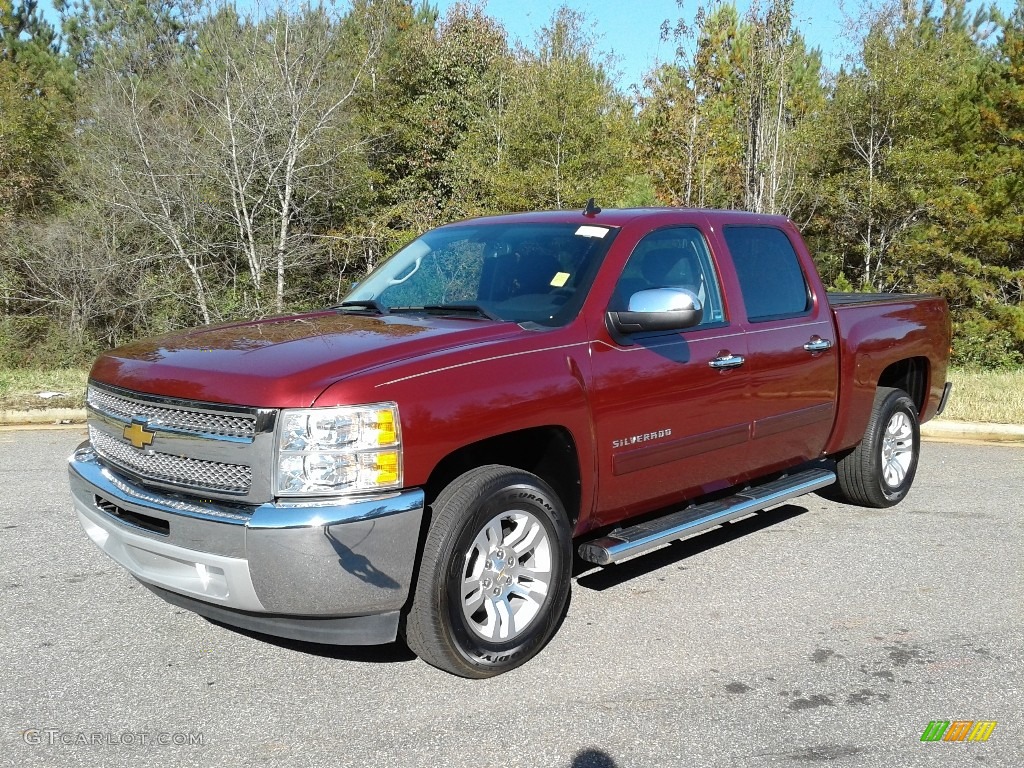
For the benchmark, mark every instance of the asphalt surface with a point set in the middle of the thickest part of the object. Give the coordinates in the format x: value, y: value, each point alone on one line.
x: 814, y: 633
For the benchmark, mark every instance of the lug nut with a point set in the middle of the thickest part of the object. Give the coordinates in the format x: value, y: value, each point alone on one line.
x: 486, y: 583
x: 501, y: 554
x: 508, y: 579
x: 496, y: 591
x: 511, y: 561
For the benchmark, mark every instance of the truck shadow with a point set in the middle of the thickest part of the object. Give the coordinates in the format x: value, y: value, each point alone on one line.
x: 586, y: 575
x: 389, y: 653
x: 593, y: 758
x: 358, y: 565
x: 600, y: 578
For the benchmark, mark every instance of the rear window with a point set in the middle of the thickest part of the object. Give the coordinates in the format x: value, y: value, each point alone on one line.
x: 771, y: 280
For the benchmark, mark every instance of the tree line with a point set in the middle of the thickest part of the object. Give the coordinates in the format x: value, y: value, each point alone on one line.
x: 170, y: 163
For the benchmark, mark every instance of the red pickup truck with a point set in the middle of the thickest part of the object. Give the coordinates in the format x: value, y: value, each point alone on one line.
x: 502, y: 395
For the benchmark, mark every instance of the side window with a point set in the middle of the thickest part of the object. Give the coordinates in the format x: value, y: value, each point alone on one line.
x: 772, y: 282
x: 672, y: 258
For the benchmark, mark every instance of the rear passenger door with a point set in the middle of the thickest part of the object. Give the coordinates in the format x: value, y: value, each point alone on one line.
x: 792, y: 352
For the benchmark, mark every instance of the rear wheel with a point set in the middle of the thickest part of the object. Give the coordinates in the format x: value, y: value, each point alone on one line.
x: 494, y: 577
x: 880, y: 471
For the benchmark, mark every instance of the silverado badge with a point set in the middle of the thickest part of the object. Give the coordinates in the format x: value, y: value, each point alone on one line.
x: 137, y: 434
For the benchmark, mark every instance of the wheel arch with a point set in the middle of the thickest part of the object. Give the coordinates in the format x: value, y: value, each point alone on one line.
x: 548, y: 451
x: 860, y: 473
x: 911, y: 375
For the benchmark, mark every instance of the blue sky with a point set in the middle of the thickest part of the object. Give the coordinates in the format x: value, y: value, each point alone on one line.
x: 631, y: 29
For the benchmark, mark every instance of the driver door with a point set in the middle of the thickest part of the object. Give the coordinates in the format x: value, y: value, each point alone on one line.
x: 671, y: 408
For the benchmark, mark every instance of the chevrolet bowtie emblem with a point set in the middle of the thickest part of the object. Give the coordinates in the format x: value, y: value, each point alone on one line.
x: 137, y: 434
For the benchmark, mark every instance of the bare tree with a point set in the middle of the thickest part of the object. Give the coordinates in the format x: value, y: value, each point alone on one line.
x: 767, y: 160
x: 224, y: 148
x: 880, y: 106
x: 279, y: 119
x: 140, y: 156
x: 76, y: 272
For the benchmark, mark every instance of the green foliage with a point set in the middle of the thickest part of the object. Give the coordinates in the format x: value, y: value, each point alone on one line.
x: 984, y: 343
x: 841, y: 284
x: 564, y: 132
x: 140, y: 37
x: 36, y: 92
x: 40, y: 342
x: 922, y: 176
x: 175, y: 162
x: 18, y: 335
x: 731, y: 124
x: 638, y: 192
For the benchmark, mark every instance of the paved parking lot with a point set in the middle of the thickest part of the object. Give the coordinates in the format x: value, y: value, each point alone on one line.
x: 810, y: 634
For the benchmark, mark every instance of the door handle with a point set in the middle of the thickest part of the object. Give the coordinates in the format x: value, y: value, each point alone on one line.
x: 817, y: 344
x: 727, y: 361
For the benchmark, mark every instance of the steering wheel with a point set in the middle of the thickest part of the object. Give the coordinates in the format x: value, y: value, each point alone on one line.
x: 562, y: 295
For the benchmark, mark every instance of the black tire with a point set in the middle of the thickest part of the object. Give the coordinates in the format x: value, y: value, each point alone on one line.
x: 438, y: 628
x: 879, y: 472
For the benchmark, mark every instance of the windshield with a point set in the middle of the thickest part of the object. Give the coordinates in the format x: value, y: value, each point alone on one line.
x: 521, y: 273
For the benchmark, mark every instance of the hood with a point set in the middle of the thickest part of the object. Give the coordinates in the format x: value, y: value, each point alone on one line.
x: 285, y: 361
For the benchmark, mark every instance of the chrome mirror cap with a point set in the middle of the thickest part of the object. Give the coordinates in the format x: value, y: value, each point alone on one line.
x: 664, y: 300
x: 658, y: 309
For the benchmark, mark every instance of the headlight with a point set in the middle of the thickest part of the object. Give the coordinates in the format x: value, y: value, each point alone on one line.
x: 328, y: 451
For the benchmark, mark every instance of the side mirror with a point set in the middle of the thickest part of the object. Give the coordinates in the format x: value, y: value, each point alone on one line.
x: 659, y: 309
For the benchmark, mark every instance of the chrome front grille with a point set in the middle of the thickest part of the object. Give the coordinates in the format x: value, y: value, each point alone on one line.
x: 206, y: 510
x: 194, y: 448
x: 197, y: 421
x: 179, y: 470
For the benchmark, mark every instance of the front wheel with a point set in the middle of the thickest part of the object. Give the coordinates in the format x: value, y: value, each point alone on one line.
x: 880, y: 471
x: 495, y: 572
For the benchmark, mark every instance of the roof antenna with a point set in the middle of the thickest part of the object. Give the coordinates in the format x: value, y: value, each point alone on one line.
x: 592, y: 208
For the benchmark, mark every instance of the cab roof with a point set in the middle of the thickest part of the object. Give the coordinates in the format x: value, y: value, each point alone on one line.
x: 619, y: 217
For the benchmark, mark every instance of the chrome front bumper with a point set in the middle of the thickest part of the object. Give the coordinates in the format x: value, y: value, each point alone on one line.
x: 322, y: 571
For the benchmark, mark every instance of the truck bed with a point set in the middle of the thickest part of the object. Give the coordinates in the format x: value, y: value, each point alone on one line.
x: 875, y: 330
x: 847, y: 299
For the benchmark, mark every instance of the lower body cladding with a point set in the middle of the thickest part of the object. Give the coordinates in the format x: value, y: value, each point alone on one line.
x: 324, y: 572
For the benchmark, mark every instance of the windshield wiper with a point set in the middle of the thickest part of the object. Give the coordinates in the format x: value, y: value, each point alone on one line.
x: 451, y: 309
x: 371, y: 304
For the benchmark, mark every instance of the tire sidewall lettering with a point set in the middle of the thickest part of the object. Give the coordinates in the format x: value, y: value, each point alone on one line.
x: 899, y: 405
x: 472, y: 648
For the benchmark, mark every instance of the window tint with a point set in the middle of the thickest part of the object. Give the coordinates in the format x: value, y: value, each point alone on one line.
x: 772, y: 282
x: 520, y: 272
x: 671, y: 258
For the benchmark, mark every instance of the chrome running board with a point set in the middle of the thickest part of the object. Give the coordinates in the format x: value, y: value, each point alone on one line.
x: 643, y: 537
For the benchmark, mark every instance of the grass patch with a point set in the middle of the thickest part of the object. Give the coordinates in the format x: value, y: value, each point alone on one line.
x: 994, y: 397
x: 20, y: 388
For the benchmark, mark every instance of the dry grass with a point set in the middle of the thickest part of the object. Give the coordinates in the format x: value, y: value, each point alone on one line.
x: 993, y: 397
x: 19, y: 389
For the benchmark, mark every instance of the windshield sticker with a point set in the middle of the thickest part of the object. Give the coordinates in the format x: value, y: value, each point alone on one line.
x: 587, y: 231
x: 559, y: 279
